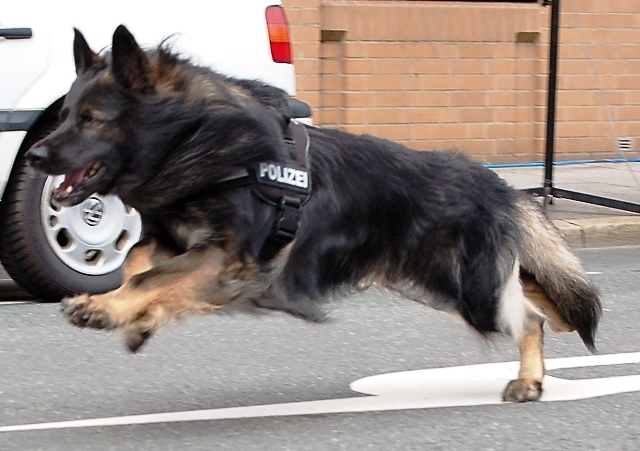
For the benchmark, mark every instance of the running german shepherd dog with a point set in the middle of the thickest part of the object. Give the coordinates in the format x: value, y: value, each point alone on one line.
x: 238, y: 201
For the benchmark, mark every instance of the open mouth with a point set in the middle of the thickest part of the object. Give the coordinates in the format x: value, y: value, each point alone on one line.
x: 80, y: 184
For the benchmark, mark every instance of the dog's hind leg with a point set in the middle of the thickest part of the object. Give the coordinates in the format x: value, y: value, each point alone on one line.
x: 518, y: 317
x: 528, y: 386
x: 197, y: 281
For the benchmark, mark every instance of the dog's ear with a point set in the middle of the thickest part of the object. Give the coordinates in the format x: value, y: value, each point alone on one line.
x: 82, y: 53
x: 131, y: 66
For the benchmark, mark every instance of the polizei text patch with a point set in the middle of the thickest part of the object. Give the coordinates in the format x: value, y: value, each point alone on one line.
x: 279, y: 174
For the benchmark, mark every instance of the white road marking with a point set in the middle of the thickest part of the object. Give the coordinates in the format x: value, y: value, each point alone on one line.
x: 470, y: 385
x: 594, y: 273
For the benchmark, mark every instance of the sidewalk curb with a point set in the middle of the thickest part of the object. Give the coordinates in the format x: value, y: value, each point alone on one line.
x: 599, y: 232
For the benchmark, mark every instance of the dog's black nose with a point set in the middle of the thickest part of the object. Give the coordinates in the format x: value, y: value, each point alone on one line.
x: 38, y: 156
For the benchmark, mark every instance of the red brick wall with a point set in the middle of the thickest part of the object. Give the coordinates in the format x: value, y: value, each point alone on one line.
x: 439, y: 75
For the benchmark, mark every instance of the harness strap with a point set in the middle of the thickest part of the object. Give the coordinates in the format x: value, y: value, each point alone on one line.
x: 285, y: 184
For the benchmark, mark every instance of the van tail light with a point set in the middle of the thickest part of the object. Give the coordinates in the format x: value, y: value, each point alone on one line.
x: 278, y: 34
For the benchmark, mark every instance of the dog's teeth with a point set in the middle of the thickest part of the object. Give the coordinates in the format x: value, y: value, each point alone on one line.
x: 94, y: 169
x: 69, y: 189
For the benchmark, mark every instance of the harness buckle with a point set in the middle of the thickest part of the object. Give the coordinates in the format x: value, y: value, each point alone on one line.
x: 287, y: 218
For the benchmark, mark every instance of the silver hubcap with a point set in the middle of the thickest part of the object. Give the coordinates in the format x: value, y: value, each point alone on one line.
x: 92, y: 237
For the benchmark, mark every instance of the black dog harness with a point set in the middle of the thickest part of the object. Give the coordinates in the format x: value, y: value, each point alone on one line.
x: 285, y: 184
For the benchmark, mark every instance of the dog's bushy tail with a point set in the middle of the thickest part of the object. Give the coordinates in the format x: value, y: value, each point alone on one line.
x: 545, y: 254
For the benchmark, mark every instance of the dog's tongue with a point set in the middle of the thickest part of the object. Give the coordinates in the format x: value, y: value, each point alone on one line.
x: 71, y: 180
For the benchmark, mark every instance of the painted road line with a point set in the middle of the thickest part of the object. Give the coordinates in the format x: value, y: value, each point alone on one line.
x: 469, y: 385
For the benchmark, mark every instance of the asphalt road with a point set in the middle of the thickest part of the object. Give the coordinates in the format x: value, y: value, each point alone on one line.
x: 52, y: 372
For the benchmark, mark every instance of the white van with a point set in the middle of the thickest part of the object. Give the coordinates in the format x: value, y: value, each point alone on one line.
x: 53, y: 251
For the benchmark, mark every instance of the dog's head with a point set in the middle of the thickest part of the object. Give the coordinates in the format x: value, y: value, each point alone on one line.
x: 90, y: 146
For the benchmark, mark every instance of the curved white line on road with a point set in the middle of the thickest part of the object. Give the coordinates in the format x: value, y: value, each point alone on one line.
x: 470, y: 385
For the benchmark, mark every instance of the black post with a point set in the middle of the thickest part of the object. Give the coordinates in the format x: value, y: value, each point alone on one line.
x: 548, y: 190
x: 551, y: 98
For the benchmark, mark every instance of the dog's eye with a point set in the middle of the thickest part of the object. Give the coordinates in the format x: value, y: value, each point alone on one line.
x: 87, y: 119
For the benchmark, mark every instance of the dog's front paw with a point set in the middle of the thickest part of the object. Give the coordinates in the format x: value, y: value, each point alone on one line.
x: 81, y: 311
x: 522, y: 390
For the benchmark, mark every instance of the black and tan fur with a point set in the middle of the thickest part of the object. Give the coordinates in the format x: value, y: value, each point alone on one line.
x: 441, y: 230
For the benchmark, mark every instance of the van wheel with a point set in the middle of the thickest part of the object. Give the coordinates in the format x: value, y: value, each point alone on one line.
x: 54, y: 251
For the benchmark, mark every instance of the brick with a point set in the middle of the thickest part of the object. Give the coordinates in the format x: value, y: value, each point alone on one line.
x: 632, y: 97
x: 467, y: 66
x: 331, y: 51
x: 430, y: 98
x: 576, y: 98
x: 306, y: 34
x: 386, y: 50
x: 617, y: 21
x: 500, y: 98
x: 448, y: 51
x: 301, y: 3
x: 449, y: 132
x: 359, y: 100
x: 446, y: 115
x: 475, y: 115
x: 421, y: 115
x: 384, y: 115
x: 331, y: 99
x: 358, y: 129
x: 356, y: 49
x: 501, y: 66
x: 574, y: 129
x: 628, y: 51
x: 432, y: 66
x: 476, y: 50
x: 331, y: 82
x: 475, y: 82
x: 358, y: 66
x: 421, y: 132
x: 411, y: 82
x: 503, y: 114
x: 441, y: 82
x: 390, y: 99
x: 588, y: 113
x: 476, y: 131
x: 504, y: 51
x: 571, y: 67
x: 328, y: 116
x: 468, y: 99
x: 311, y: 98
x: 420, y: 50
x: 499, y: 130
x: 613, y: 97
x: 627, y: 113
x: 628, y: 82
x: 330, y: 66
x: 482, y: 149
x: 385, y: 83
x: 392, y: 66
x: 355, y: 82
x: 394, y: 132
x: 353, y: 116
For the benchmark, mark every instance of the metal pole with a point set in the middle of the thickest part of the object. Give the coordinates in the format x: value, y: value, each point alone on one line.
x: 551, y: 97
